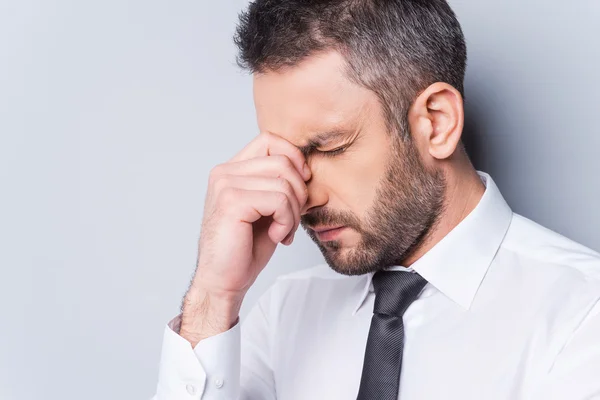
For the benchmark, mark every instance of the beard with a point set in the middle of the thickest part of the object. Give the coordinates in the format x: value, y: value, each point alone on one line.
x: 408, y: 203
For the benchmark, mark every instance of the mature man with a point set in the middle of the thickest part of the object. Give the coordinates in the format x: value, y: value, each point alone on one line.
x: 433, y: 288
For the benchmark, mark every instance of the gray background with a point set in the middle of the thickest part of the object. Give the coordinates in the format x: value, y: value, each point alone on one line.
x: 112, y: 114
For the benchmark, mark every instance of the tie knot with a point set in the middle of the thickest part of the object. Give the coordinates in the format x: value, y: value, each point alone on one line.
x: 395, y: 291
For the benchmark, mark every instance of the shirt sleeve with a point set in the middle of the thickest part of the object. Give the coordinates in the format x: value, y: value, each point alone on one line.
x: 575, y: 374
x: 234, y: 364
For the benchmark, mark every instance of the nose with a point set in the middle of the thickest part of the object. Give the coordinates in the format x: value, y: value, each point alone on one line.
x: 317, y: 195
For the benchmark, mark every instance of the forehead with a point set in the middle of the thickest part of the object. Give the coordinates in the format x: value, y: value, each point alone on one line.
x: 314, y: 96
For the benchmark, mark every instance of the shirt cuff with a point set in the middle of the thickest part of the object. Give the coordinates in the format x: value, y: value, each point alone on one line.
x: 210, y: 371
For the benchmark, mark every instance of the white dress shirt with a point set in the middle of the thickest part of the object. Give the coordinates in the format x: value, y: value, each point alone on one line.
x: 511, y: 311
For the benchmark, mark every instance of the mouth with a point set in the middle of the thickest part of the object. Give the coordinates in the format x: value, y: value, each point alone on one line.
x: 328, y: 233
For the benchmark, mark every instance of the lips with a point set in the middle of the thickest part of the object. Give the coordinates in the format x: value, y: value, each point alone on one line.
x: 321, y: 229
x: 328, y: 233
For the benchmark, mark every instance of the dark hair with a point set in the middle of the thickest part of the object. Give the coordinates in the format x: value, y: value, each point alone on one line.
x: 396, y: 48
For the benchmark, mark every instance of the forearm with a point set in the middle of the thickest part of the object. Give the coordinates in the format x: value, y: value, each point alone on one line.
x: 205, y: 314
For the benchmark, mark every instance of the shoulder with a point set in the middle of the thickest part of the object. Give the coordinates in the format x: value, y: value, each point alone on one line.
x: 536, y: 246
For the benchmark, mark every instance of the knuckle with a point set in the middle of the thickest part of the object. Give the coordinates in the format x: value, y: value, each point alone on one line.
x: 264, y: 138
x: 283, y: 184
x: 279, y: 159
x: 228, y: 196
x: 214, y: 173
x: 220, y: 183
x: 281, y: 199
x: 284, y: 163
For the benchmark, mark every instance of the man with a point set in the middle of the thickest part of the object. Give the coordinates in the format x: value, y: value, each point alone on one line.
x: 433, y: 288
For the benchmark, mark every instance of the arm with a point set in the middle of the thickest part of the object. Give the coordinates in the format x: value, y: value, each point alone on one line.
x: 234, y: 364
x: 253, y: 203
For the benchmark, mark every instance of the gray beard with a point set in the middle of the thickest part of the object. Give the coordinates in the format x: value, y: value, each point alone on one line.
x: 408, y: 204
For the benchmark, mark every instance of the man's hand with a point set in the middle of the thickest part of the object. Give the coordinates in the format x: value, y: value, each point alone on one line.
x: 254, y: 202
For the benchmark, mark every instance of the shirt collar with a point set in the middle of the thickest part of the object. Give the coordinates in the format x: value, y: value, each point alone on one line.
x: 457, y: 264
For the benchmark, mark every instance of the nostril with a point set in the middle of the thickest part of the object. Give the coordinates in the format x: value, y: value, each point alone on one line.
x: 309, y: 210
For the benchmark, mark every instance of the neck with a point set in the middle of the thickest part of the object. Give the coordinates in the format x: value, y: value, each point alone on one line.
x: 463, y: 192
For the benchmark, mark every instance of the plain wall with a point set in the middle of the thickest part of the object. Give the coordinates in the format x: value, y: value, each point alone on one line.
x: 112, y: 113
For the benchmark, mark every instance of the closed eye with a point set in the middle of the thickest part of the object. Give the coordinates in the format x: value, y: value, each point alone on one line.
x: 334, y: 152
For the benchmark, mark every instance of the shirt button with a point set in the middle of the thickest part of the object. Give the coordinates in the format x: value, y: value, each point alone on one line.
x: 219, y: 382
x: 191, y: 389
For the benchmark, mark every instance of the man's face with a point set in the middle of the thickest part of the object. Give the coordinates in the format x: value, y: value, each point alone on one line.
x: 376, y: 187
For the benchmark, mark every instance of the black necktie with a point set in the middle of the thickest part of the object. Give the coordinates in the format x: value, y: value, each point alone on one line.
x: 394, y: 292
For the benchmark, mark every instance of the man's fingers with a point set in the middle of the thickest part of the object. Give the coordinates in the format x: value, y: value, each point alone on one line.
x: 271, y: 167
x: 261, y: 183
x: 276, y: 169
x: 251, y: 205
x: 268, y: 144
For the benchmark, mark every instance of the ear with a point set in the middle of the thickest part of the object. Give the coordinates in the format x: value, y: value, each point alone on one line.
x: 437, y: 119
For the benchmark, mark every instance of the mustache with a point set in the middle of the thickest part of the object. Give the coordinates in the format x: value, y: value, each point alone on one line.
x: 324, y: 216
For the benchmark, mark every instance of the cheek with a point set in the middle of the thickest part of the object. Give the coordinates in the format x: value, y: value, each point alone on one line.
x: 353, y: 179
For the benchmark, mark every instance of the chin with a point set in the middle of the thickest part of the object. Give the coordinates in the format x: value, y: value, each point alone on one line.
x: 332, y: 245
x: 341, y: 261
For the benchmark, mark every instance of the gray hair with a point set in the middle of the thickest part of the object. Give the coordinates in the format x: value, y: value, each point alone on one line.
x: 395, y: 48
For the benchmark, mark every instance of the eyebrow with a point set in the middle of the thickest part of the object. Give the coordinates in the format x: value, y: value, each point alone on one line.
x: 322, y: 138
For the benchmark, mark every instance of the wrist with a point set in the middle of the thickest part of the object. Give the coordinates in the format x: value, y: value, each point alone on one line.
x: 206, y: 314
